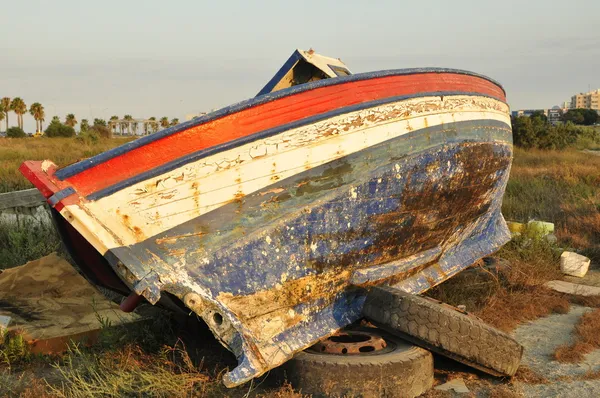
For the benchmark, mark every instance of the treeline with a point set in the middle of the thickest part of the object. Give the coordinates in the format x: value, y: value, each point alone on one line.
x: 536, y: 132
x: 57, y: 128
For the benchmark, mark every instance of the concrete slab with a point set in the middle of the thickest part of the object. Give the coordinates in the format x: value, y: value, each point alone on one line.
x: 51, y: 305
x: 574, y: 288
x: 592, y: 278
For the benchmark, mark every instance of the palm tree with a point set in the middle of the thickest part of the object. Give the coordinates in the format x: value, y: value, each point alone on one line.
x: 55, y: 119
x: 18, y: 106
x: 129, y: 118
x: 84, y: 126
x: 70, y: 120
x: 5, y: 102
x: 153, y: 124
x: 2, y: 114
x: 164, y: 122
x: 174, y: 122
x: 113, y: 123
x: 37, y: 111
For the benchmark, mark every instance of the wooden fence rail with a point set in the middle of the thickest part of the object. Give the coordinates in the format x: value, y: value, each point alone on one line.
x: 26, y: 198
x: 23, y: 206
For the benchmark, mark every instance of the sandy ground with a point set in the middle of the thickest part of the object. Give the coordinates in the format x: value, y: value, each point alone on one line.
x: 540, y: 338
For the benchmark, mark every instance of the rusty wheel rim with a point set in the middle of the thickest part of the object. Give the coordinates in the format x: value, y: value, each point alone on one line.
x: 350, y: 342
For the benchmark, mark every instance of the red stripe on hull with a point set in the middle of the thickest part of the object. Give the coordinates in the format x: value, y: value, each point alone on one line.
x: 269, y: 115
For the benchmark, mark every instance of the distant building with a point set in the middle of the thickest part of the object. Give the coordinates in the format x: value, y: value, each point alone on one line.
x: 529, y: 112
x: 589, y: 100
x: 554, y: 115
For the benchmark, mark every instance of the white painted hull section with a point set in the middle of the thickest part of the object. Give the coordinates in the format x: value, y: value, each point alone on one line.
x: 160, y: 203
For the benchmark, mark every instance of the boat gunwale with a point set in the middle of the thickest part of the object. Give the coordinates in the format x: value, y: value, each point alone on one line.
x: 76, y: 168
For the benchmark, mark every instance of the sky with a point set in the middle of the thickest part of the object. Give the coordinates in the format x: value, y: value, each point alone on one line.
x: 173, y: 58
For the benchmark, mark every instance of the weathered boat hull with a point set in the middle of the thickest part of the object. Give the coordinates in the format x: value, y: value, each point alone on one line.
x: 272, y: 218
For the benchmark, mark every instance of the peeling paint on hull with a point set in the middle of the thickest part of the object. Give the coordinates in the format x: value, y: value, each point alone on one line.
x: 274, y: 242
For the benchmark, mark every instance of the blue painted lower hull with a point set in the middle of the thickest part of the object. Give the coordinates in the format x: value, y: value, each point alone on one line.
x: 315, y: 243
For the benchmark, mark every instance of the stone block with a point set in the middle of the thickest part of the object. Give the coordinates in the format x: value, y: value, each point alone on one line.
x: 574, y: 264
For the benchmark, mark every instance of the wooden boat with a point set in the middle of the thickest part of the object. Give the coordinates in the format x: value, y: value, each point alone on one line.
x: 271, y: 218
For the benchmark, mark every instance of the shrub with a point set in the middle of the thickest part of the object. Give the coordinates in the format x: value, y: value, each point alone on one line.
x: 101, y: 131
x: 57, y: 129
x: 535, y: 132
x: 88, y: 137
x: 15, y: 132
x: 587, y: 117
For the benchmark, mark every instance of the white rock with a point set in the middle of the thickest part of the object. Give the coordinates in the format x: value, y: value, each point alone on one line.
x: 574, y: 264
x: 458, y: 385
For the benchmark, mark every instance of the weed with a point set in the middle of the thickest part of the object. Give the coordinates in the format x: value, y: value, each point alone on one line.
x: 26, y: 241
x: 128, y: 372
x: 13, y: 349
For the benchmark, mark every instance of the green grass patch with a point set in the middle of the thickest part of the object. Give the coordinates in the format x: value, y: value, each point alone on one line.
x: 26, y: 241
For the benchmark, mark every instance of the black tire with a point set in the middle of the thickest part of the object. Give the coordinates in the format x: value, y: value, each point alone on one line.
x: 399, y: 370
x: 444, y: 329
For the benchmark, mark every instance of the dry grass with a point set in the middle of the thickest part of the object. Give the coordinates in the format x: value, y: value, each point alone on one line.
x: 526, y: 375
x: 513, y: 292
x: 562, y: 187
x: 129, y: 372
x: 24, y: 385
x: 587, y: 339
x: 146, y: 359
x: 591, y: 375
x: 504, y: 392
x: 62, y: 151
x: 286, y: 391
x: 506, y: 310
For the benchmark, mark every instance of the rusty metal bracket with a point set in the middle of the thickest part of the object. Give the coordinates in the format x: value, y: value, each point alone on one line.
x: 149, y: 287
